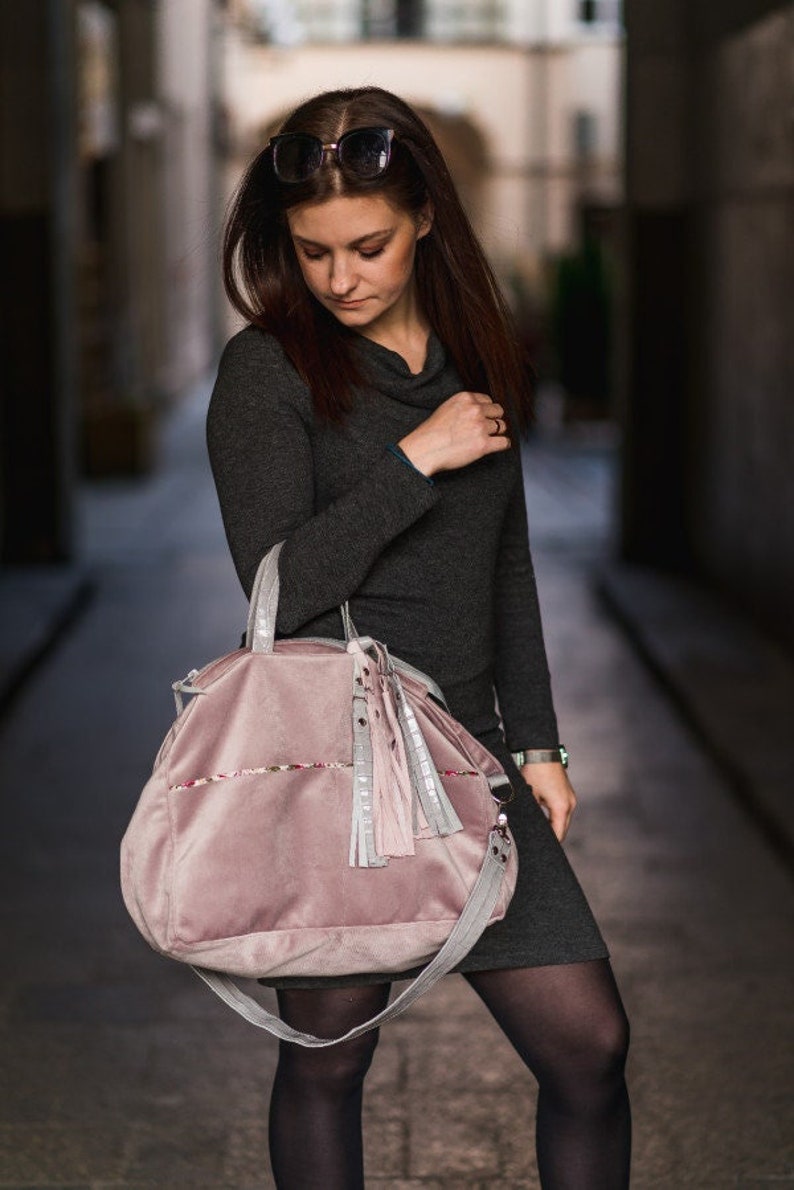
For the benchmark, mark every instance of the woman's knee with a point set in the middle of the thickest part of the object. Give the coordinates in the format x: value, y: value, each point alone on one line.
x: 596, y: 1033
x: 608, y: 1041
x: 338, y: 1069
x: 330, y: 1012
x: 585, y: 1058
x: 586, y: 1073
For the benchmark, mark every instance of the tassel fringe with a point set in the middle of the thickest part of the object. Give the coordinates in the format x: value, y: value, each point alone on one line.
x: 397, y: 793
x: 435, y: 813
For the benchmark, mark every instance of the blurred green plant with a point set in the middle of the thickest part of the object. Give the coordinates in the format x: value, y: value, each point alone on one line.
x: 581, y: 328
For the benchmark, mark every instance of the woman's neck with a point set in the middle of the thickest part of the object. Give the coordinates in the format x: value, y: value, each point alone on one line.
x: 412, y: 348
x: 406, y: 334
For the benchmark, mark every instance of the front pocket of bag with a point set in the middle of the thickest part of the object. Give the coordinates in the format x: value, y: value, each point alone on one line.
x: 258, y: 851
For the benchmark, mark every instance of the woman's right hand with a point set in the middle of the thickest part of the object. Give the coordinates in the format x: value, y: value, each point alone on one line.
x: 464, y: 428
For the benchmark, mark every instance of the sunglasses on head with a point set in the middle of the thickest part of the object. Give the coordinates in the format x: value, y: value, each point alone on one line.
x: 361, y: 152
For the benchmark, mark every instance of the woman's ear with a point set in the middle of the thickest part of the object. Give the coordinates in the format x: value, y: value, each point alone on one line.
x: 424, y: 220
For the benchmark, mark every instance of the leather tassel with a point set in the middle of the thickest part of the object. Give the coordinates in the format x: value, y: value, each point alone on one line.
x: 363, y: 853
x: 436, y: 814
x: 397, y: 792
x: 391, y: 782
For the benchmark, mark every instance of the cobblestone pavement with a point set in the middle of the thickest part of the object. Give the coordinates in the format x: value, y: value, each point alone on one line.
x: 119, y: 1070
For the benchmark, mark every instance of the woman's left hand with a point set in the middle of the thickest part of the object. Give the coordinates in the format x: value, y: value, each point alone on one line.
x: 553, y: 792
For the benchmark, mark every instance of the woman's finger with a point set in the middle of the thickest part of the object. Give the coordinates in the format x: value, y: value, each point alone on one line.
x: 490, y: 407
x: 554, y: 794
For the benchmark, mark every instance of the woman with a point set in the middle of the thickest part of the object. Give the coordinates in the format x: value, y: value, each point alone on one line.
x: 366, y: 417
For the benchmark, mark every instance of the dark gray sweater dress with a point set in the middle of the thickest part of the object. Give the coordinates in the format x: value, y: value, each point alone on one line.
x: 440, y: 572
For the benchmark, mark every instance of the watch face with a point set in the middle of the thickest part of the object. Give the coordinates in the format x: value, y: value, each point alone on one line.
x: 564, y: 756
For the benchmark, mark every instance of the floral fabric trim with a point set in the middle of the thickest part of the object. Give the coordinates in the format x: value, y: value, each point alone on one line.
x: 291, y: 768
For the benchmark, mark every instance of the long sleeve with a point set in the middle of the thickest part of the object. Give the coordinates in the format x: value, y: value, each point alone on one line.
x: 261, y: 456
x: 521, y: 671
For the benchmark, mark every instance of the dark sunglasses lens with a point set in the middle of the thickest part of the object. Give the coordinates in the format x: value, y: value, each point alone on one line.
x: 297, y: 157
x: 365, y: 153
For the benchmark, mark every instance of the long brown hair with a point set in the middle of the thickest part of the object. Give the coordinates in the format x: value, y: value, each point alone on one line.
x: 455, y: 284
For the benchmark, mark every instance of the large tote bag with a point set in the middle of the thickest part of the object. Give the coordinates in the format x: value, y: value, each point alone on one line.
x: 315, y: 811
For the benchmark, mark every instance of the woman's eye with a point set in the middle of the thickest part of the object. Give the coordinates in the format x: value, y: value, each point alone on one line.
x: 370, y: 254
x: 313, y: 255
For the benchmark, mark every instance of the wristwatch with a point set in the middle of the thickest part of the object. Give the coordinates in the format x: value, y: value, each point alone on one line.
x: 557, y: 755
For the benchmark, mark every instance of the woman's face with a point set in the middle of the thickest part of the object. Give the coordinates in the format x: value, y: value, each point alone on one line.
x: 356, y: 254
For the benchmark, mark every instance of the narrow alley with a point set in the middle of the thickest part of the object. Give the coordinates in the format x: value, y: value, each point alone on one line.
x: 120, y: 1070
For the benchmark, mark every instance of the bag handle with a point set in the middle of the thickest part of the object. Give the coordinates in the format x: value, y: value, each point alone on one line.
x: 260, y: 633
x: 474, y: 918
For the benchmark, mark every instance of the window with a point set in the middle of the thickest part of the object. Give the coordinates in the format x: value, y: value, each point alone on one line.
x: 599, y: 12
x: 585, y: 134
x: 393, y: 18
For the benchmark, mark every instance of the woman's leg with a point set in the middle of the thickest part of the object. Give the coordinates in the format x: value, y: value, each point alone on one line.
x: 569, y: 1027
x: 315, y: 1108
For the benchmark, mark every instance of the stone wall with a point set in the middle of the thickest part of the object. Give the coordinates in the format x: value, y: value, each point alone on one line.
x: 707, y: 372
x: 743, y: 523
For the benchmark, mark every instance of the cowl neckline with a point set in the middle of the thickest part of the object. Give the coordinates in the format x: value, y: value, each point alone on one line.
x: 390, y: 374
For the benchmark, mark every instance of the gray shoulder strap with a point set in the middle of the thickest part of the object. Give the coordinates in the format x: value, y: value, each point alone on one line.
x: 474, y: 918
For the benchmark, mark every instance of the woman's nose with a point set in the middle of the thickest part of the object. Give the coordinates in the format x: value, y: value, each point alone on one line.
x: 342, y: 278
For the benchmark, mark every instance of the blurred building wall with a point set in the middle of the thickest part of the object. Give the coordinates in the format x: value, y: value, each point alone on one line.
x: 519, y: 86
x: 37, y: 297
x: 146, y: 239
x: 189, y: 79
x: 108, y: 213
x: 707, y: 369
x: 293, y: 21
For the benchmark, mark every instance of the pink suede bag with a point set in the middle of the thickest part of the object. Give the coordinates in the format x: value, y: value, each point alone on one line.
x: 316, y: 811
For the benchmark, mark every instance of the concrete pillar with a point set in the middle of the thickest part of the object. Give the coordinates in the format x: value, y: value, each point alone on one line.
x: 141, y: 342
x: 708, y: 481
x: 37, y: 103
x: 129, y: 316
x: 658, y: 284
x: 742, y: 507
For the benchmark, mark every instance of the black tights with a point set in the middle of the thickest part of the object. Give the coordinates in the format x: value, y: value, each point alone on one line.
x: 567, y: 1024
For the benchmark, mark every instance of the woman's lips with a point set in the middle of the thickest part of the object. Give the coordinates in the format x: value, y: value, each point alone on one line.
x: 348, y: 304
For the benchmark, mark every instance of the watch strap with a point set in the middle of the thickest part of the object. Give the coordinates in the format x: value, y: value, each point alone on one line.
x: 558, y: 755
